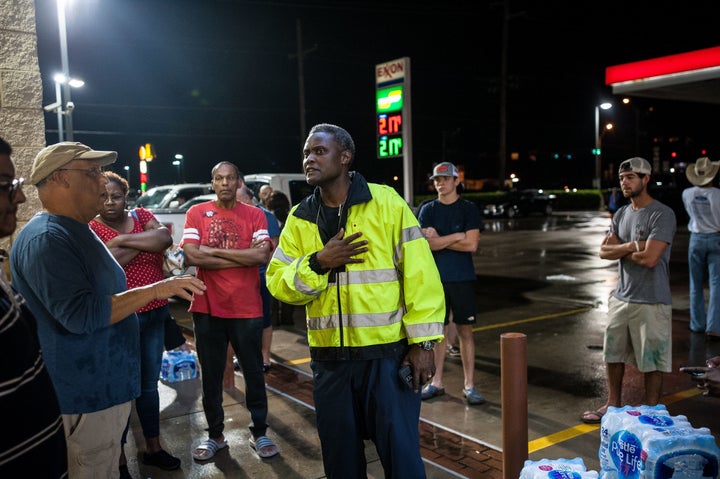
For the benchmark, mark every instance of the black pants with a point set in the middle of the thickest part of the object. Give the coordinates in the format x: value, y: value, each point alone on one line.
x: 212, y: 335
x: 357, y: 400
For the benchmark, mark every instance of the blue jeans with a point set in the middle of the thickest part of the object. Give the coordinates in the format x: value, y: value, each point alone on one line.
x: 211, y: 340
x: 704, y: 255
x: 147, y: 405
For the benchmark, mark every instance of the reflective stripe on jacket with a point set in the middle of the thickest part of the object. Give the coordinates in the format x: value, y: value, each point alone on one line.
x: 370, y: 309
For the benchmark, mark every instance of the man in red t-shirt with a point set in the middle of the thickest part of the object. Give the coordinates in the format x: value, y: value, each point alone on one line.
x: 226, y: 241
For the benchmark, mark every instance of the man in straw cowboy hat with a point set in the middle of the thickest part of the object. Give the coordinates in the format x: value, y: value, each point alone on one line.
x: 702, y: 203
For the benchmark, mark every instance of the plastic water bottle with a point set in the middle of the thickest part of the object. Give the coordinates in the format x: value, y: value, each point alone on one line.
x: 688, y: 466
x: 184, y: 369
x: 165, y: 367
x: 178, y: 366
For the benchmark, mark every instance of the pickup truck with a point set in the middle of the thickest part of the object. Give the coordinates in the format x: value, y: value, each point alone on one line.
x: 292, y: 184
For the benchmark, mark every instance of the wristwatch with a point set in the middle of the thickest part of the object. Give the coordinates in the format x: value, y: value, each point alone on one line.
x: 427, y: 345
x: 315, y: 266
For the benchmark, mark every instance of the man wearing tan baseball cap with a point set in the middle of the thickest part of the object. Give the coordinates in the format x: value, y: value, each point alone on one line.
x: 86, y: 321
x: 54, y: 157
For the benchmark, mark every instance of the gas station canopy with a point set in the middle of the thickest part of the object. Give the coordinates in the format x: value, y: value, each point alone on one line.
x: 692, y: 76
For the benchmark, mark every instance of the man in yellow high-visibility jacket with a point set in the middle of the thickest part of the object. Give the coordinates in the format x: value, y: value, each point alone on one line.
x: 354, y: 255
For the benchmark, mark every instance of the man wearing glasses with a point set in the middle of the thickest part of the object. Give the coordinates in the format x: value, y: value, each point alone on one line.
x: 87, y: 325
x: 37, y: 442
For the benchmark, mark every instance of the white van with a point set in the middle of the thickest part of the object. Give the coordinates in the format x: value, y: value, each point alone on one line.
x: 292, y: 184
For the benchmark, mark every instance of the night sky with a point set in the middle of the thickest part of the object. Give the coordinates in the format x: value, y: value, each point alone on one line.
x: 218, y: 80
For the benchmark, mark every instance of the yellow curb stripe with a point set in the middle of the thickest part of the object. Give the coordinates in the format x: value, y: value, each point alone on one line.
x: 529, y: 320
x: 579, y: 430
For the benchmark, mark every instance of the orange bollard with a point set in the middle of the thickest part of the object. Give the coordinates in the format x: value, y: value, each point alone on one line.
x: 513, y: 400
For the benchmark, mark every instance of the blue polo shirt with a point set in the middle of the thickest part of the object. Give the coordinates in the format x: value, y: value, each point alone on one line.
x: 67, y: 276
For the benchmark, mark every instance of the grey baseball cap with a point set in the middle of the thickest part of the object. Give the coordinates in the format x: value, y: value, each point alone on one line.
x: 636, y: 164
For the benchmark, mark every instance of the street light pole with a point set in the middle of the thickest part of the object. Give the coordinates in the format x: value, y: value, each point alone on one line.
x: 65, y: 68
x: 59, y: 109
x: 127, y: 173
x: 598, y: 144
x: 179, y: 162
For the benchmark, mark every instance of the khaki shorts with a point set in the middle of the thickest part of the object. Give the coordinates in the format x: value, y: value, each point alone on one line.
x: 639, y: 334
x: 93, y: 442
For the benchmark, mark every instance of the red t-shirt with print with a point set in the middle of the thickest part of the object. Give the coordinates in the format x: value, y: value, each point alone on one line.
x: 231, y: 292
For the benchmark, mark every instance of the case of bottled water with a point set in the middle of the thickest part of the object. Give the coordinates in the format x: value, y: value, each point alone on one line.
x: 557, y: 469
x: 178, y: 365
x: 646, y: 442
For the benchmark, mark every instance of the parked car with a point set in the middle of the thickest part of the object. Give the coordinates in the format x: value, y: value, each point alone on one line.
x: 523, y: 202
x: 193, y: 201
x: 172, y: 196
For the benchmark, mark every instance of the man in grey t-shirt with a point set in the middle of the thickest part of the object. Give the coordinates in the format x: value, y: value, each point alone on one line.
x: 639, y: 330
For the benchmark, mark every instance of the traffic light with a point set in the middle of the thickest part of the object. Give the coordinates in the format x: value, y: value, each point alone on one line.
x: 596, y: 151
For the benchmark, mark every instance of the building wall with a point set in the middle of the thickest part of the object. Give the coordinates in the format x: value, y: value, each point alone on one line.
x: 22, y: 123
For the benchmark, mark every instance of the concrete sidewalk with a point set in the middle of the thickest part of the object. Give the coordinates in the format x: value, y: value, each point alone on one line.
x: 292, y: 426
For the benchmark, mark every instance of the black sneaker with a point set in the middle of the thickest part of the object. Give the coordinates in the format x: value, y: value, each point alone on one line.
x: 124, y: 472
x: 161, y: 459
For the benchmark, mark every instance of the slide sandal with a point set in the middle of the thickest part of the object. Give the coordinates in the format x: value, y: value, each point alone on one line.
x: 207, y: 449
x: 264, y: 446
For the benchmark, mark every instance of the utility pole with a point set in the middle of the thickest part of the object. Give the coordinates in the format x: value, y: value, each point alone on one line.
x: 300, y: 54
x: 505, y: 52
x: 301, y: 77
x: 502, y: 153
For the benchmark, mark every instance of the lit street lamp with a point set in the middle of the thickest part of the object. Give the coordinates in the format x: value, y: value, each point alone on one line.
x: 598, y: 143
x: 57, y: 107
x: 179, y: 163
x: 127, y: 173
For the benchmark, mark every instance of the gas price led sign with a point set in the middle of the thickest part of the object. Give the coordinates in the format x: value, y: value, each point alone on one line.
x: 393, y: 120
x: 389, y: 126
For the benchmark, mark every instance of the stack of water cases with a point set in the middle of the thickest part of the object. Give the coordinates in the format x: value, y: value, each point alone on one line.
x: 557, y: 469
x: 178, y: 365
x: 646, y: 442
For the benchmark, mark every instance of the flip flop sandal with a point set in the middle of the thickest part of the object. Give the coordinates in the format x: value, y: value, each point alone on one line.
x: 260, y: 443
x: 587, y: 417
x: 210, y: 445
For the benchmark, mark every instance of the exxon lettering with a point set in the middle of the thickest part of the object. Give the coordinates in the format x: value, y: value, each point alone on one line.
x: 388, y: 71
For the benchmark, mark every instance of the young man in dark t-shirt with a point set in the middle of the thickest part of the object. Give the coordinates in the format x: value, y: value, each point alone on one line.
x: 452, y: 226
